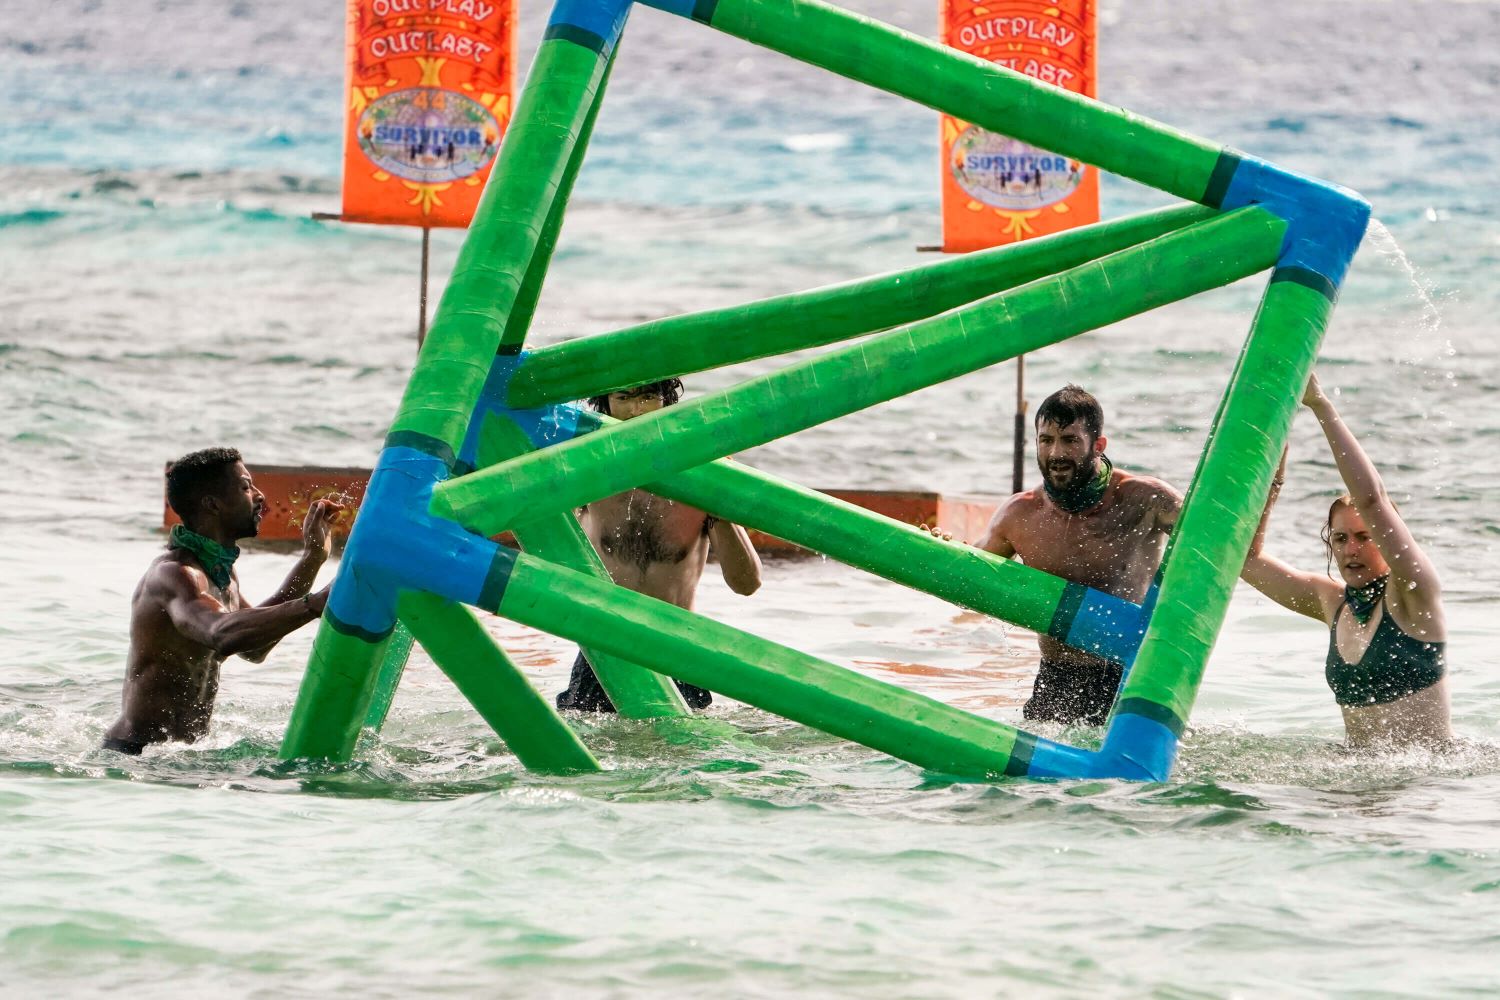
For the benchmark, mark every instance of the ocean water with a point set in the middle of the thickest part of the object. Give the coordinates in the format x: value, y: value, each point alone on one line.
x: 163, y: 287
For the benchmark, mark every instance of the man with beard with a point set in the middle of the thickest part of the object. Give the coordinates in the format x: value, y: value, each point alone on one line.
x: 1090, y: 523
x: 187, y: 614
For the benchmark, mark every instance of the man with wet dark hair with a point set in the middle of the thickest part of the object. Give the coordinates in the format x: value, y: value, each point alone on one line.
x: 656, y: 547
x: 668, y: 390
x: 187, y: 614
x: 1088, y: 523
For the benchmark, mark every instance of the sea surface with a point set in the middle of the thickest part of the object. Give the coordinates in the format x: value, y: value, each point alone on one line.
x: 163, y: 287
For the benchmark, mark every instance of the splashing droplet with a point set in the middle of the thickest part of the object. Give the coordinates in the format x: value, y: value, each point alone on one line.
x: 1383, y: 241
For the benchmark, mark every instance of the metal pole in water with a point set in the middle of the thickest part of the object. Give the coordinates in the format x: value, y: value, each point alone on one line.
x: 422, y: 311
x: 1018, y: 474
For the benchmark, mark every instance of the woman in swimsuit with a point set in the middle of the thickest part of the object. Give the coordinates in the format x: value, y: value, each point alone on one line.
x: 1386, y: 630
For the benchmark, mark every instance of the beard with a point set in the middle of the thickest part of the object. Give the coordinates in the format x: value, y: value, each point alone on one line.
x: 250, y: 526
x: 1080, y: 478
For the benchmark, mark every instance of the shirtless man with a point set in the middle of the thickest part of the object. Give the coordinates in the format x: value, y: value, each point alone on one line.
x: 656, y: 547
x: 1089, y: 523
x: 187, y: 614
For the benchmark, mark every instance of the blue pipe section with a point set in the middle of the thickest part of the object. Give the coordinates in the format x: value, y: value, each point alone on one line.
x: 397, y: 544
x: 1325, y: 222
x: 1135, y: 749
x: 1109, y: 626
x: 604, y: 20
x: 542, y: 425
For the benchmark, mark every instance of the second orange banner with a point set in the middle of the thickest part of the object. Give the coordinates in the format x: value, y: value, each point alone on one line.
x: 997, y: 189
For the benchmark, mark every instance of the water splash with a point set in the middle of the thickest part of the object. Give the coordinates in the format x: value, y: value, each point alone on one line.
x: 1431, y: 379
x: 1379, y: 238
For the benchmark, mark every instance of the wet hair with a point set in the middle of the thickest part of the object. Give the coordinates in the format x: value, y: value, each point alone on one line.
x: 1070, y: 403
x: 669, y: 389
x: 195, y: 476
x: 1327, y: 531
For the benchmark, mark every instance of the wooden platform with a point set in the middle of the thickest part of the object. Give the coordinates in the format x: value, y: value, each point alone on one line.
x: 289, y: 490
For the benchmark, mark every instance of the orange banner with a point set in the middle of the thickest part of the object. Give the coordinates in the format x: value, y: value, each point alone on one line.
x: 430, y: 84
x: 997, y: 189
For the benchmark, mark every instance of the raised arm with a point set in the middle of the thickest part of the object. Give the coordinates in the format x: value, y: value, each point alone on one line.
x: 1414, y: 582
x: 1305, y: 593
x: 738, y: 560
x: 317, y: 542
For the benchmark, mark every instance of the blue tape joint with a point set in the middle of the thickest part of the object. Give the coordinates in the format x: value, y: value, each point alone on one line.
x: 397, y: 544
x: 542, y: 425
x: 1325, y: 222
x: 603, y: 19
x: 1135, y: 749
x: 1109, y: 626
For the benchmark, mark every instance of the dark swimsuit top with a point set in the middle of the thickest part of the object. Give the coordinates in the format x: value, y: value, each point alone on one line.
x: 1394, y: 665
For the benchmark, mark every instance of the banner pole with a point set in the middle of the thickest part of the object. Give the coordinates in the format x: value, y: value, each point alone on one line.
x: 422, y: 306
x: 1018, y: 474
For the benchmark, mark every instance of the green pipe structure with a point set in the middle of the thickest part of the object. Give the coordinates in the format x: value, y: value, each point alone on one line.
x: 680, y: 345
x: 506, y: 234
x: 494, y: 685
x: 960, y: 574
x: 388, y: 678
x: 335, y: 695
x: 334, y: 698
x: 417, y: 545
x: 968, y: 88
x: 1218, y: 522
x: 636, y: 693
x: 789, y: 683
x: 842, y: 381
x: 519, y: 321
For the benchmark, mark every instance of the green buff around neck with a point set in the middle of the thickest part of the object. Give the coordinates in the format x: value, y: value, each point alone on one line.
x: 216, y: 559
x: 1083, y: 496
x: 1362, y: 600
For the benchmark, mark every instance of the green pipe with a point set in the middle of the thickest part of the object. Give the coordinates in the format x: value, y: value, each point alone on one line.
x: 783, y: 681
x: 1213, y: 429
x: 971, y: 89
x: 501, y: 244
x: 519, y: 321
x: 654, y: 446
x: 665, y: 348
x: 1219, y: 520
x: 334, y: 697
x: 455, y: 359
x: 494, y: 685
x: 636, y: 693
x: 388, y: 678
x: 961, y: 574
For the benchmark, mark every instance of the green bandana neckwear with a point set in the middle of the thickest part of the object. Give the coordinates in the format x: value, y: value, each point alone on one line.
x: 1074, y: 499
x: 216, y: 559
x: 1362, y: 600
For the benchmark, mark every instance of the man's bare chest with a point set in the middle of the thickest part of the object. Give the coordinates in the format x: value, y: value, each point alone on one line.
x: 1104, y: 551
x: 642, y: 529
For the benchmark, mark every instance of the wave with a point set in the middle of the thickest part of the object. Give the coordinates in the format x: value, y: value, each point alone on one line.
x: 29, y: 217
x: 55, y: 192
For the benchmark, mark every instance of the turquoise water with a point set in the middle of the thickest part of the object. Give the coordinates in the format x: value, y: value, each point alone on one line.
x: 164, y: 288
